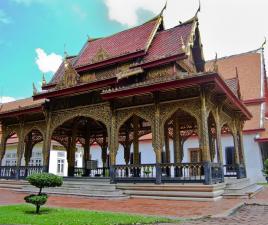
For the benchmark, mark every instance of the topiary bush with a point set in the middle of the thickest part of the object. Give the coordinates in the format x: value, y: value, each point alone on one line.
x: 42, y: 180
x: 265, y: 169
x: 37, y: 200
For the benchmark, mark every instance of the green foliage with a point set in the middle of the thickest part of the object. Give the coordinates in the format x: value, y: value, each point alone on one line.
x: 23, y: 214
x: 265, y: 168
x: 36, y: 200
x: 42, y: 180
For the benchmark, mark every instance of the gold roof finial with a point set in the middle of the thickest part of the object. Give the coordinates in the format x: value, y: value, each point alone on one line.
x: 199, y: 9
x: 44, y: 82
x: 264, y: 43
x: 165, y: 7
x: 215, y: 64
x: 34, y: 89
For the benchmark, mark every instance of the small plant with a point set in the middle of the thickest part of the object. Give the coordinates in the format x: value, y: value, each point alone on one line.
x: 42, y: 180
x: 265, y: 169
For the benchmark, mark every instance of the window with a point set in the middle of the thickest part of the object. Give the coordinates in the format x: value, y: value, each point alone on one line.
x: 60, y: 166
x: 229, y: 155
x: 8, y: 163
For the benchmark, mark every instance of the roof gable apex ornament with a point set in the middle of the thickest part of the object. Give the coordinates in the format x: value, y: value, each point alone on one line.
x: 70, y: 77
x: 238, y: 83
x: 215, y: 64
x: 34, y: 89
x: 264, y: 43
x: 44, y: 82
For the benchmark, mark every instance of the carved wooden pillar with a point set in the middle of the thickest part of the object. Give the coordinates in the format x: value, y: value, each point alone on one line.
x: 157, y: 138
x: 113, y: 145
x: 204, y: 138
x: 72, y: 150
x: 136, y: 159
x: 2, y: 145
x: 218, y: 136
x: 104, y: 155
x: 236, y: 147
x: 87, y: 148
x: 20, y: 147
x: 113, y: 139
x: 177, y: 142
x: 47, y: 141
x: 241, y: 146
x: 167, y: 148
x: 28, y: 149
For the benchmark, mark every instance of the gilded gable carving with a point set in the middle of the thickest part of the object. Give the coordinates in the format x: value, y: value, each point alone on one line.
x: 70, y: 77
x: 101, y: 55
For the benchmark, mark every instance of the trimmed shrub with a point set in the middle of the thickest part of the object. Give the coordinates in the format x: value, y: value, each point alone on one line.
x: 36, y: 200
x: 42, y: 180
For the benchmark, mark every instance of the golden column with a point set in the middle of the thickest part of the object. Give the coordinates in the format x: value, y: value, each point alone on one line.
x: 218, y: 135
x: 167, y: 148
x: 47, y: 140
x: 136, y: 158
x: 72, y: 150
x: 204, y: 139
x: 21, y: 144
x: 177, y: 142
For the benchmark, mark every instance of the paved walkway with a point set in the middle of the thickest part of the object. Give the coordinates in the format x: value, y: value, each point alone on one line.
x: 247, y: 215
x: 179, y: 209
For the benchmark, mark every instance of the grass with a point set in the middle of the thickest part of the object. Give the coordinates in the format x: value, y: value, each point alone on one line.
x: 24, y: 214
x: 264, y: 184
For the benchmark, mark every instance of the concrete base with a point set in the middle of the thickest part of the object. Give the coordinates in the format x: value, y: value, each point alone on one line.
x: 240, y: 188
x: 192, y: 192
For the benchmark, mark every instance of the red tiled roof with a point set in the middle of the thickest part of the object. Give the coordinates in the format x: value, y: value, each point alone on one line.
x: 18, y: 105
x: 119, y: 44
x: 233, y: 85
x: 168, y: 42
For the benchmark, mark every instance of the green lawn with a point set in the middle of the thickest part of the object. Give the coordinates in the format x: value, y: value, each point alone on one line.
x: 24, y: 214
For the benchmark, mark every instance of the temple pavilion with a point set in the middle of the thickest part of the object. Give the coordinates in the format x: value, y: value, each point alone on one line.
x: 144, y: 80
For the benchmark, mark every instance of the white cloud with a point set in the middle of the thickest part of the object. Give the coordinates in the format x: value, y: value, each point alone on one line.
x: 227, y: 27
x: 5, y: 99
x: 4, y: 17
x: 47, y: 62
x: 125, y: 11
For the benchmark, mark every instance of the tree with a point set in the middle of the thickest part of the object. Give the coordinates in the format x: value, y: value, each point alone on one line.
x: 265, y: 169
x: 42, y: 180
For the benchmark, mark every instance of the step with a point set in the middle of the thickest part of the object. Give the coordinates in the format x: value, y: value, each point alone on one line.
x: 171, y: 187
x: 247, y: 192
x: 175, y: 194
x: 90, y: 195
x: 179, y: 198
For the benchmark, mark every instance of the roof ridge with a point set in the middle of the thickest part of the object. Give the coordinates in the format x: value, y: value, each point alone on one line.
x: 233, y: 55
x: 131, y: 28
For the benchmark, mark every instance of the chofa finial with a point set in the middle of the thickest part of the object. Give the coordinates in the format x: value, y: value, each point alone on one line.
x: 44, y: 82
x: 215, y: 64
x: 264, y: 43
x: 34, y: 89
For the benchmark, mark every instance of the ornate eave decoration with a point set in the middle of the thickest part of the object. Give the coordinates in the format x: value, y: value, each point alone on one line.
x: 129, y: 72
x: 101, y: 55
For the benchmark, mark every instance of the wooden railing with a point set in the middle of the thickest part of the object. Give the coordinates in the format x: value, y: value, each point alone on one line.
x: 235, y: 170
x: 98, y: 172
x: 21, y: 172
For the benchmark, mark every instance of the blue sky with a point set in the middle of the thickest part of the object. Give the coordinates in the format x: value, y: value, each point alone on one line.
x: 33, y: 32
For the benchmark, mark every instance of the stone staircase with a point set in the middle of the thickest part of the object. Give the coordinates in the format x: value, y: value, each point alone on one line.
x: 240, y: 188
x: 193, y: 192
x: 95, y: 188
x: 102, y: 189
